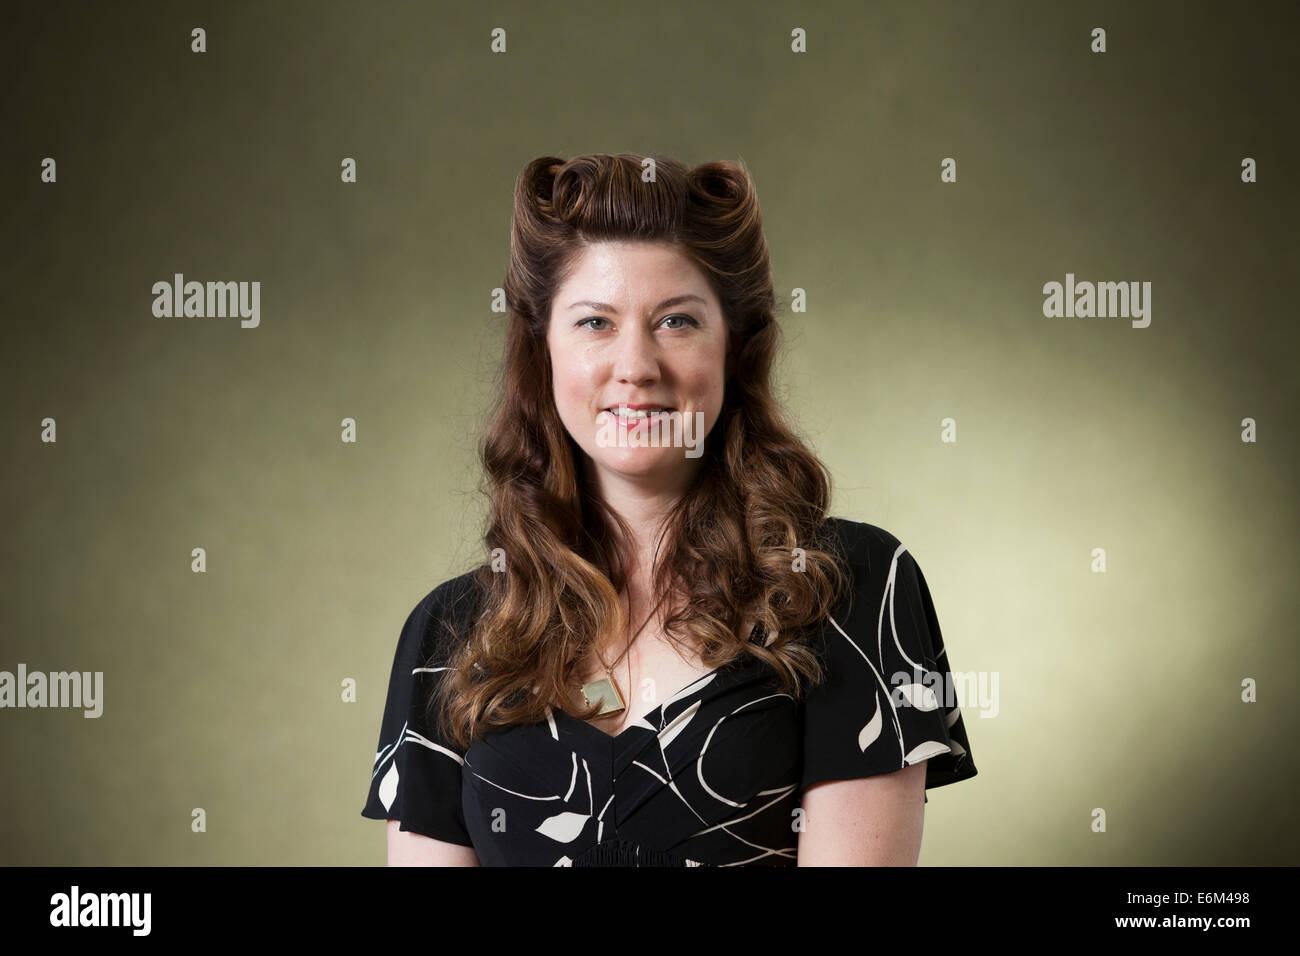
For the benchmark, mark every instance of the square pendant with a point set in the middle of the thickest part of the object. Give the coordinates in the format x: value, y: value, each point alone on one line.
x: 606, y: 693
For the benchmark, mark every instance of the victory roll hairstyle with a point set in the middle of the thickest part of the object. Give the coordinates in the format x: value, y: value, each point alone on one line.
x: 728, y: 544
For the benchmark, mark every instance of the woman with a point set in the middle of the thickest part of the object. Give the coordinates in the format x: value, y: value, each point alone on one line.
x: 673, y: 655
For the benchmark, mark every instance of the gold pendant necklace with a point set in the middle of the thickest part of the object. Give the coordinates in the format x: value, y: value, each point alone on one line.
x: 605, y: 689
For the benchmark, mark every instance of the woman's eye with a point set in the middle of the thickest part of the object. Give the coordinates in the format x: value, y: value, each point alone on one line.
x: 679, y: 315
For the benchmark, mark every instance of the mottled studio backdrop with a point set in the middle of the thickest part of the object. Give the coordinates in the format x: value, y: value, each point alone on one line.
x: 1104, y: 506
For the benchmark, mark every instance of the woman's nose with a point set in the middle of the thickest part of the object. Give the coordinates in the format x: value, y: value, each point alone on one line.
x: 636, y: 357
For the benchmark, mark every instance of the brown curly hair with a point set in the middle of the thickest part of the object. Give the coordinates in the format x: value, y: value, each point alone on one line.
x: 729, y: 543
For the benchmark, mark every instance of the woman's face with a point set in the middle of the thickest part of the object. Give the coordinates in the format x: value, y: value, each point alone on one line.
x: 637, y: 323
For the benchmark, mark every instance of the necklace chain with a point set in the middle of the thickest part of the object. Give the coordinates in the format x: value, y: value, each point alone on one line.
x: 609, y: 668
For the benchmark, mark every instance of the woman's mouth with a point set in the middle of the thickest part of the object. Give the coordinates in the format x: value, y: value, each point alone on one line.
x: 632, y: 418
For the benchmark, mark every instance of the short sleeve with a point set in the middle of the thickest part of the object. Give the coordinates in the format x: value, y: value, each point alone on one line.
x: 416, y: 777
x: 888, y: 699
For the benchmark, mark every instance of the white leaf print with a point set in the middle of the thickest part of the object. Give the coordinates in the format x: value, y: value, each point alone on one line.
x: 563, y: 861
x: 920, y: 696
x: 677, y: 725
x: 388, y: 787
x: 868, y: 734
x: 693, y: 687
x: 924, y: 751
x: 563, y: 827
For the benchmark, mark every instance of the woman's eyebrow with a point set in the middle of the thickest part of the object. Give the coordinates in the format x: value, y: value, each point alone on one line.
x: 606, y: 307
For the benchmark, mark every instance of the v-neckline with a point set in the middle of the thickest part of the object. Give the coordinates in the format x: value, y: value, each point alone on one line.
x: 646, y: 717
x: 757, y: 629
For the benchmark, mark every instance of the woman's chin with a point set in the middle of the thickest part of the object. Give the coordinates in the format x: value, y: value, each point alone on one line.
x: 641, y: 462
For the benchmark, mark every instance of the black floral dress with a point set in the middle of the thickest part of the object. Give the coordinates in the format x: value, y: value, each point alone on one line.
x: 714, y: 776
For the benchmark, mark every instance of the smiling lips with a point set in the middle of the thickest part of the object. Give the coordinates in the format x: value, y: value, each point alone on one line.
x: 638, y: 415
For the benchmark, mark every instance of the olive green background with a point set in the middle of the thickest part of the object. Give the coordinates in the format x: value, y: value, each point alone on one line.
x: 1119, y: 691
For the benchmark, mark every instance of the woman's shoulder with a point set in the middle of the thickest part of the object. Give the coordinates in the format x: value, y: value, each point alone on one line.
x: 445, y: 609
x: 865, y: 543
